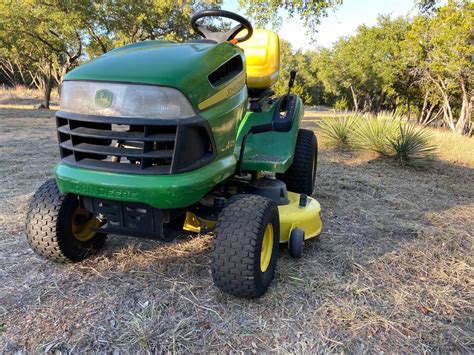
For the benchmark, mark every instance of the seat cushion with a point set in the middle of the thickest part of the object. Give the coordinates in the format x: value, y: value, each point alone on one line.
x: 262, y: 56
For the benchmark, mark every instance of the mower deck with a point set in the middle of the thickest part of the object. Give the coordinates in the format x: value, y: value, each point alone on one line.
x: 294, y: 215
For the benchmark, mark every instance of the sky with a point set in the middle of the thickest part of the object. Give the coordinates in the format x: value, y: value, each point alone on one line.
x: 342, y: 21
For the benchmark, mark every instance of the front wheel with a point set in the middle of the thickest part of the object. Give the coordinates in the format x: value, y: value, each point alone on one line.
x: 246, y: 245
x: 58, y: 229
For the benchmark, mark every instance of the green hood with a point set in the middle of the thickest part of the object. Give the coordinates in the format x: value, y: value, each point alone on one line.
x: 184, y: 66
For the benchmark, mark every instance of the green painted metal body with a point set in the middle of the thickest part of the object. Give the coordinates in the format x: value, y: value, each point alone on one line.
x: 185, y: 67
x: 270, y: 151
x: 161, y: 191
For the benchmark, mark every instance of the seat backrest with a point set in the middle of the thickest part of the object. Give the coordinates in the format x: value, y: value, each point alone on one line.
x: 262, y: 56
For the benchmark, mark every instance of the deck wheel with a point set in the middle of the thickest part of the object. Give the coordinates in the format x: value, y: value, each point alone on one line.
x: 296, y: 243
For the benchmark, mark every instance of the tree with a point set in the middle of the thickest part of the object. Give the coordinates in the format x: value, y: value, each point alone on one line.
x: 366, y: 69
x: 53, y: 36
x: 265, y: 12
x: 427, y: 6
x: 439, y: 48
x: 111, y: 24
x: 306, y: 85
x: 45, y: 34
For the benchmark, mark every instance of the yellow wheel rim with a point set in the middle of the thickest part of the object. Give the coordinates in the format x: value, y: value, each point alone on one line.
x: 83, y: 223
x: 267, y: 248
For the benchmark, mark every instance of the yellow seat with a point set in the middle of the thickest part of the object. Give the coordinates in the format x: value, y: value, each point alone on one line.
x: 262, y: 53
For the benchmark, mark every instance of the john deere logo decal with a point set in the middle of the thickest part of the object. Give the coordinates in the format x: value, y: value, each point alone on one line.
x: 103, y: 98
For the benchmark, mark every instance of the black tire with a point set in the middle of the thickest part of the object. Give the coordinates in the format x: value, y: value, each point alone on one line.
x: 49, y: 226
x: 296, y: 243
x: 301, y: 175
x: 237, y: 246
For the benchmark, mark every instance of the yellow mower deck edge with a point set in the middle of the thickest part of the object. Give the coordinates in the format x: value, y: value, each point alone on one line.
x: 293, y: 216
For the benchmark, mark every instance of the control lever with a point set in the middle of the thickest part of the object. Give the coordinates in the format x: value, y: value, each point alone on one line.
x: 292, y: 80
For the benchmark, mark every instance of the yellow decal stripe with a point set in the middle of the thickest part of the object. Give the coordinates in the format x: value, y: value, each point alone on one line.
x: 226, y: 92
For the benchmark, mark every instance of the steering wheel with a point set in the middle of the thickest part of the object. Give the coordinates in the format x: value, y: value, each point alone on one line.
x: 220, y: 37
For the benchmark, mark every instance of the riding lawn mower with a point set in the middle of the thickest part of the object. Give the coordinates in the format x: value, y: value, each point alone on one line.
x: 158, y: 137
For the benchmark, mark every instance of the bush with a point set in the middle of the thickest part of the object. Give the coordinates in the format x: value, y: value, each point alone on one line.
x: 341, y: 104
x: 338, y: 130
x: 389, y: 136
x: 372, y: 134
x: 411, y: 145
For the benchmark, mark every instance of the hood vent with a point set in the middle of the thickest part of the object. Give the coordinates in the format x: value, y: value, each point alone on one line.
x: 226, y: 71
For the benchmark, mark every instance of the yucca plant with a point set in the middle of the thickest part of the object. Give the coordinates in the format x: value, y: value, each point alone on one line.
x: 411, y: 145
x: 373, y: 134
x: 337, y: 130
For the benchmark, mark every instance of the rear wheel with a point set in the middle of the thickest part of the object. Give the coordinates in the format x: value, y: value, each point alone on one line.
x: 301, y: 175
x: 58, y: 229
x: 246, y: 245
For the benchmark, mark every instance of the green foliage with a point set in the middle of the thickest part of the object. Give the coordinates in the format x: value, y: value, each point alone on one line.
x: 307, y: 85
x: 338, y: 130
x: 366, y: 69
x: 341, y: 104
x: 427, y: 6
x: 386, y: 134
x: 265, y: 12
x: 422, y: 66
x: 439, y: 50
x: 111, y: 24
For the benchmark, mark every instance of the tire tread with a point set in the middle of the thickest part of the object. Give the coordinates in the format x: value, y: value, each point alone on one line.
x: 45, y: 231
x: 298, y: 177
x: 236, y: 242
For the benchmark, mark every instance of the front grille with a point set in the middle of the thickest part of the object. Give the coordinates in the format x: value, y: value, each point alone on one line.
x: 112, y: 145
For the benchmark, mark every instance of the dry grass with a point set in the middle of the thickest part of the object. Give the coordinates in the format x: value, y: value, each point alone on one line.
x: 392, y: 271
x: 12, y: 97
x: 453, y: 148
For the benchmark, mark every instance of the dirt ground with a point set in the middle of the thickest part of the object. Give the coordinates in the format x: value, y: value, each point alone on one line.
x: 392, y: 271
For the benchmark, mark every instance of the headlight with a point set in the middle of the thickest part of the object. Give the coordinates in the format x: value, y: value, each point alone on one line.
x: 124, y: 100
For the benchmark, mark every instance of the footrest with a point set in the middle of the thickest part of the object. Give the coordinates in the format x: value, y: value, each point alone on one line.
x: 265, y: 158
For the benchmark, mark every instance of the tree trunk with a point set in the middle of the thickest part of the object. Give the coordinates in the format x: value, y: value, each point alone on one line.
x: 421, y: 117
x: 427, y: 119
x: 464, y: 116
x: 8, y: 71
x: 367, y: 103
x: 59, y: 74
x: 37, y: 80
x: 354, y: 98
x: 447, y: 110
x: 379, y: 102
x: 408, y: 109
x: 448, y: 115
x: 48, y: 85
